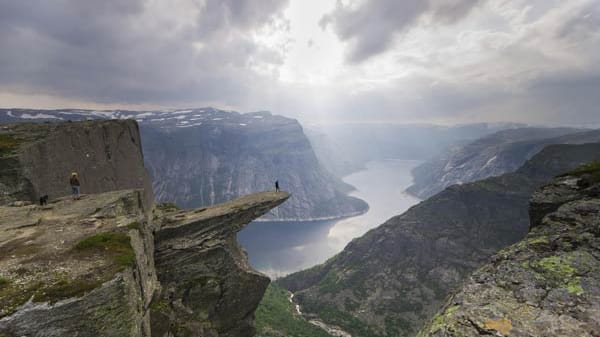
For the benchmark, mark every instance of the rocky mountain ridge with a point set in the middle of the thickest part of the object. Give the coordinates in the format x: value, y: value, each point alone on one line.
x: 493, y: 155
x: 544, y: 285
x: 201, y: 157
x: 342, y: 148
x: 393, y: 279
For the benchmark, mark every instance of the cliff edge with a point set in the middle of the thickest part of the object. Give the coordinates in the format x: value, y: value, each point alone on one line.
x: 112, y: 264
x: 544, y: 285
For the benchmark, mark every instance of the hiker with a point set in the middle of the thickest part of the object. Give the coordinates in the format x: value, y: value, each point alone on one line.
x: 276, y: 185
x: 75, y: 185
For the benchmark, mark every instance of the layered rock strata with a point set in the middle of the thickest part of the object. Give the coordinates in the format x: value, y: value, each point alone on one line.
x: 208, y: 287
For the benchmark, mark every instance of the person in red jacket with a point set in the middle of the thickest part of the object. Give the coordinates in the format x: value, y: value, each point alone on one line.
x: 75, y: 185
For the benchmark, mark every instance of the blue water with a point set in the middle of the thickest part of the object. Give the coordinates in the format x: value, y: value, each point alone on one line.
x: 279, y: 248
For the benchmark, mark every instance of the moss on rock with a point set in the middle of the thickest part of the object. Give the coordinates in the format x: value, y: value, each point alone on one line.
x: 591, y: 169
x: 115, y: 245
x: 8, y: 144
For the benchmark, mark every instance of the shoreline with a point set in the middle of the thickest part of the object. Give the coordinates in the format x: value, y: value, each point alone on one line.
x: 334, y: 217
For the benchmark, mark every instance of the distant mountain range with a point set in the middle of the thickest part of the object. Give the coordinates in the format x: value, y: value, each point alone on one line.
x: 492, y: 155
x: 200, y: 157
x: 345, y: 148
x: 392, y: 280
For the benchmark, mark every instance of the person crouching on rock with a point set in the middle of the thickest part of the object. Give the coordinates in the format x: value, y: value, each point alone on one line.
x: 75, y: 186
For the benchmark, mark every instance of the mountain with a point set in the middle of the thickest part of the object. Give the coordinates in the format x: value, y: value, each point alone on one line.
x: 201, y: 157
x: 110, y: 264
x: 393, y: 279
x: 346, y: 148
x: 544, y: 285
x: 493, y: 155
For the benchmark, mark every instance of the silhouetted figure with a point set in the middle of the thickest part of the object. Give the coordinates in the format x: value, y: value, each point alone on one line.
x: 75, y: 186
x: 44, y: 200
x: 276, y: 185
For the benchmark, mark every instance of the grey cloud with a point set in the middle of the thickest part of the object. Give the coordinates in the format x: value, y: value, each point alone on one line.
x: 110, y: 52
x: 372, y: 26
x: 222, y: 15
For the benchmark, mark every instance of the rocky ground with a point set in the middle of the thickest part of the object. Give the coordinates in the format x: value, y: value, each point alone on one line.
x: 71, y: 266
x: 547, y: 284
x: 105, y: 266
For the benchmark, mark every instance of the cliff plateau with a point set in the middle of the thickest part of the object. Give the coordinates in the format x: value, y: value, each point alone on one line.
x: 110, y: 264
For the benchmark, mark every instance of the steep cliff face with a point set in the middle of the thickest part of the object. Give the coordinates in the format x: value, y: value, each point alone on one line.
x: 490, y: 156
x: 545, y: 285
x: 208, y: 287
x: 393, y: 279
x: 110, y: 264
x: 228, y: 155
x: 38, y: 159
x: 201, y: 157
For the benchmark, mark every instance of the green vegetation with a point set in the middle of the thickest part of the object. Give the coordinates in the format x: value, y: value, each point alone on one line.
x: 13, y: 295
x: 440, y: 319
x: 3, y: 282
x: 397, y: 326
x: 331, y: 283
x: 160, y: 305
x: 592, y: 169
x: 167, y: 207
x: 276, y: 316
x: 65, y: 288
x: 8, y: 144
x: 560, y: 272
x: 115, y: 245
x: 135, y: 225
x: 346, y: 321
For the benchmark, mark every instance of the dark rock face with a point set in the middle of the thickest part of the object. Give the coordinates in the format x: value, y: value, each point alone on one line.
x: 394, y: 278
x: 106, y: 154
x: 208, y: 287
x: 490, y: 156
x: 545, y: 285
x: 202, y: 157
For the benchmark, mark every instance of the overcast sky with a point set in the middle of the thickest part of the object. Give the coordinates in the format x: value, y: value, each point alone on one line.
x: 445, y: 61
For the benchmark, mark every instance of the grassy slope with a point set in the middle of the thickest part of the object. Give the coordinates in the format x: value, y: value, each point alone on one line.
x: 276, y: 317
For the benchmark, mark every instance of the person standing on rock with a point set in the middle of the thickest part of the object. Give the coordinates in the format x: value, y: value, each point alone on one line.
x: 276, y: 185
x: 75, y: 186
